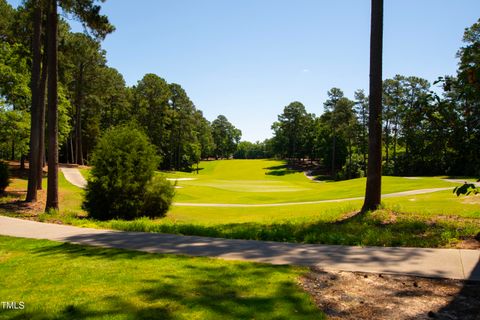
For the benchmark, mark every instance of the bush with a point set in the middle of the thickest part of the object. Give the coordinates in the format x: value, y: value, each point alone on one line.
x: 4, y: 176
x: 124, y: 162
x: 351, y: 170
x: 158, y: 197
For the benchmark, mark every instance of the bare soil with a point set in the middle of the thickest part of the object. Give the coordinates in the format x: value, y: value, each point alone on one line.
x: 356, y: 295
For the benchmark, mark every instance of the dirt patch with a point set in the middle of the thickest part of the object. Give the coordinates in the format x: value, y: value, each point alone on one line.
x: 472, y: 199
x: 472, y: 244
x: 14, y: 202
x: 355, y: 295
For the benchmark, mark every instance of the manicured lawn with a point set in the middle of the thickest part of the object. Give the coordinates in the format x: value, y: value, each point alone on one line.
x: 65, y: 281
x: 269, y: 181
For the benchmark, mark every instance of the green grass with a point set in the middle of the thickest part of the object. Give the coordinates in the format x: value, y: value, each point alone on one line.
x: 71, y: 196
x: 269, y: 181
x: 438, y: 219
x: 65, y: 281
x: 85, y: 172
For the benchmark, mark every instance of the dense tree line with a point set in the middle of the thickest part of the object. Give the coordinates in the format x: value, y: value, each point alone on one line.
x: 58, y: 96
x: 92, y: 96
x: 426, y: 129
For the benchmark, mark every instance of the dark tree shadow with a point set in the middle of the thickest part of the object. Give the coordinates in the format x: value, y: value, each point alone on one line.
x: 216, y: 290
x: 466, y: 304
x: 281, y: 170
x: 324, y: 178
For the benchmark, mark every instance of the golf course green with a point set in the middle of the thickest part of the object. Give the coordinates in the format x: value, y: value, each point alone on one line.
x: 271, y: 181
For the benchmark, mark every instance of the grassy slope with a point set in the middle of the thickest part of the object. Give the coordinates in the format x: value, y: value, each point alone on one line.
x: 63, y: 281
x: 267, y: 181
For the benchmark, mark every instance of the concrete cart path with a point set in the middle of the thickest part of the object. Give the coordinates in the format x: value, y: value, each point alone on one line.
x: 435, y: 263
x: 74, y: 176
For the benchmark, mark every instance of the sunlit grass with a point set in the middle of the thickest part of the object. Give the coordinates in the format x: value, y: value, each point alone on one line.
x: 270, y: 181
x: 64, y: 281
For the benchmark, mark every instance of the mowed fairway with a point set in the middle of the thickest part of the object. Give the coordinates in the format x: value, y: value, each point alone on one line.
x: 269, y: 181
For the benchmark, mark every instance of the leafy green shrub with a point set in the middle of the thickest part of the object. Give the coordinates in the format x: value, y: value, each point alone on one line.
x: 158, y: 197
x: 123, y: 162
x: 388, y: 168
x: 351, y: 169
x: 4, y: 176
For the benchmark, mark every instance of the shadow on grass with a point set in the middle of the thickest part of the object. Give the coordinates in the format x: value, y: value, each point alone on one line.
x: 75, y: 251
x: 281, y: 170
x: 117, y: 307
x: 324, y: 178
x: 197, y: 288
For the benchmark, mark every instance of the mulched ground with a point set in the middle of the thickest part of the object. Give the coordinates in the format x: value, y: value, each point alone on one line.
x: 355, y: 295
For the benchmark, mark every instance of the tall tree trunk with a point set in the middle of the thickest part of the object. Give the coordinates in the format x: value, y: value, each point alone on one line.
x: 350, y: 152
x: 41, y: 115
x: 387, y: 141
x: 364, y: 143
x: 22, y: 162
x: 71, y: 149
x: 34, y: 119
x: 52, y: 189
x: 374, y: 173
x: 78, y: 117
x: 334, y: 142
x: 395, y: 138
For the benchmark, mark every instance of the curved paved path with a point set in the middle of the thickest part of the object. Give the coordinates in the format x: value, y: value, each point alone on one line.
x: 435, y: 263
x: 74, y: 176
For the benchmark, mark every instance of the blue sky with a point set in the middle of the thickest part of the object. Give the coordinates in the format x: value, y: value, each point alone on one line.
x: 247, y: 59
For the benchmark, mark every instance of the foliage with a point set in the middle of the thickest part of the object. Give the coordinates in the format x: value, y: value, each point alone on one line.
x: 14, y: 132
x: 249, y: 150
x: 123, y: 163
x: 7, y: 16
x: 158, y: 197
x: 14, y: 76
x: 88, y: 14
x: 4, y: 176
x: 351, y: 169
x: 291, y: 130
x: 184, y: 148
x: 423, y: 133
x: 225, y: 136
x: 179, y: 131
